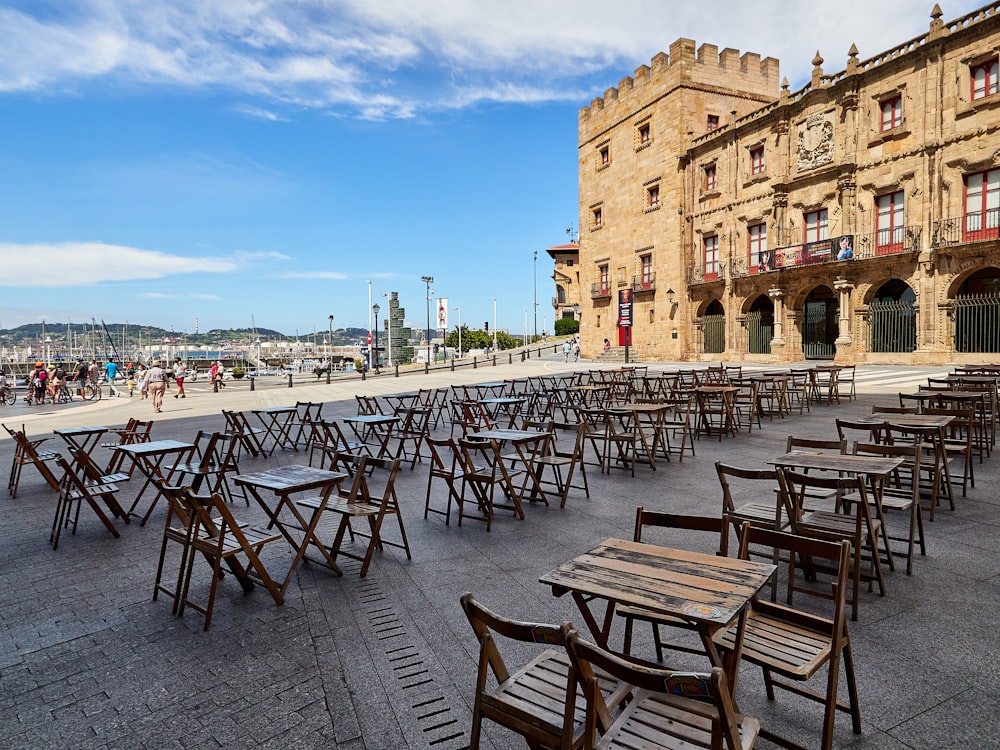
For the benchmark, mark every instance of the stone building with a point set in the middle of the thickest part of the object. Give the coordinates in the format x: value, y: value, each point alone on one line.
x: 856, y: 218
x: 566, y: 275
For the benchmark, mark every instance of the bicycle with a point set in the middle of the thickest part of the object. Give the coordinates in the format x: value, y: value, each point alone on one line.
x: 92, y: 392
x: 8, y: 396
x: 62, y: 395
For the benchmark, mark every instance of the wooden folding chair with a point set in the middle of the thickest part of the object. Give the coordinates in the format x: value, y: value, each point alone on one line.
x: 447, y: 463
x: 371, y: 477
x: 485, y: 470
x: 220, y: 538
x: 538, y: 700
x: 251, y: 438
x: 413, y: 430
x: 559, y: 460
x: 648, y: 519
x: 306, y: 412
x: 74, y: 490
x: 795, y: 645
x: 27, y: 452
x: 668, y: 710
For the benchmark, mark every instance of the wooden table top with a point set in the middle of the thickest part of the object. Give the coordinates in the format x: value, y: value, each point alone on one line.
x: 372, y: 418
x: 75, y: 431
x: 875, y: 465
x: 698, y: 587
x: 292, y: 478
x: 507, y: 435
x: 908, y: 420
x: 275, y: 410
x: 153, y: 447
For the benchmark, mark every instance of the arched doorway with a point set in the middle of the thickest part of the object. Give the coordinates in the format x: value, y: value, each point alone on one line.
x: 892, y: 318
x: 713, y: 328
x: 760, y: 325
x: 820, y: 323
x: 977, y: 312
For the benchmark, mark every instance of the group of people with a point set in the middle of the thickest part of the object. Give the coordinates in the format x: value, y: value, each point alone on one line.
x: 572, y: 347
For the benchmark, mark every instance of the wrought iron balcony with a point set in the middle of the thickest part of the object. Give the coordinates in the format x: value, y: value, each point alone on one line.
x: 964, y: 230
x: 644, y: 282
x: 597, y: 291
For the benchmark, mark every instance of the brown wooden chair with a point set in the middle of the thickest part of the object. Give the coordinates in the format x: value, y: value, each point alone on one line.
x: 372, y: 496
x: 251, y: 438
x: 858, y: 527
x: 211, y: 459
x: 485, y: 471
x: 795, y: 645
x: 647, y: 519
x: 75, y: 491
x: 541, y: 700
x: 852, y: 430
x: 306, y: 412
x: 27, y: 453
x: 447, y: 463
x: 220, y: 538
x: 135, y: 431
x: 413, y: 431
x: 569, y: 461
x: 959, y: 442
x: 668, y: 710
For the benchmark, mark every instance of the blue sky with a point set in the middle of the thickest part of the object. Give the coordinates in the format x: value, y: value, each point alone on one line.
x: 238, y: 160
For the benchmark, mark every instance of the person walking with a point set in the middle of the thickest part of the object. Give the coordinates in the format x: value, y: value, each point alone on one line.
x: 180, y: 371
x: 576, y: 351
x: 215, y: 374
x: 567, y: 347
x: 157, y: 384
x: 142, y: 380
x: 111, y: 370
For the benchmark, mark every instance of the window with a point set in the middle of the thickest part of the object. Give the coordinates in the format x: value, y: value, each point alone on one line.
x: 890, y: 219
x: 644, y: 134
x: 603, y: 283
x: 982, y: 206
x: 560, y: 294
x: 711, y: 252
x: 646, y: 279
x: 757, y: 160
x: 710, y: 178
x: 603, y: 156
x: 653, y: 196
x: 760, y: 259
x: 816, y: 226
x: 712, y: 123
x: 892, y: 113
x: 597, y: 216
x: 984, y: 79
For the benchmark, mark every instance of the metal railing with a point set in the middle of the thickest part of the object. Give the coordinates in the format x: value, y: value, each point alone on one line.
x: 892, y: 326
x: 968, y: 228
x: 644, y: 282
x: 597, y: 291
x: 977, y: 323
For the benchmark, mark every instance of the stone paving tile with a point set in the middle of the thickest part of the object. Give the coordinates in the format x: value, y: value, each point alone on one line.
x: 87, y: 660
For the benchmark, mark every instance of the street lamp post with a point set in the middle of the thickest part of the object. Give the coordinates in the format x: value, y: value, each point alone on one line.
x: 534, y: 279
x: 494, y: 324
x: 329, y: 354
x: 459, y: 311
x: 428, y: 280
x: 375, y: 309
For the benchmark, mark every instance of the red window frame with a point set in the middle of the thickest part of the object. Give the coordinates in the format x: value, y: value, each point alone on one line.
x: 712, y: 123
x: 605, y: 154
x: 816, y: 225
x: 891, y: 113
x: 890, y: 218
x: 981, y: 220
x: 710, y: 253
x: 644, y: 134
x: 598, y: 215
x: 605, y: 285
x: 991, y: 80
x: 652, y: 196
x: 710, y: 178
x: 646, y: 276
x: 757, y: 160
x: 757, y: 247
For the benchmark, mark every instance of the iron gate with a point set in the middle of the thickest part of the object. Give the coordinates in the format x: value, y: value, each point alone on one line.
x: 892, y: 326
x: 820, y: 328
x: 760, y: 331
x: 713, y: 329
x: 977, y: 323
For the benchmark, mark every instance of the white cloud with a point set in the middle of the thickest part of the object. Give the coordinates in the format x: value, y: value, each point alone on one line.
x: 393, y: 58
x: 330, y: 275
x: 71, y: 264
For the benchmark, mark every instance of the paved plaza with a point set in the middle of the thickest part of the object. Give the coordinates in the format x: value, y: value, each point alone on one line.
x: 88, y: 660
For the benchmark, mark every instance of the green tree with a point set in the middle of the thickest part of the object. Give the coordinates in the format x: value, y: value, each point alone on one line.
x: 567, y: 326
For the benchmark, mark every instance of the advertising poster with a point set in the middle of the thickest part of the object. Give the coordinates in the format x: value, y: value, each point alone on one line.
x: 624, y: 308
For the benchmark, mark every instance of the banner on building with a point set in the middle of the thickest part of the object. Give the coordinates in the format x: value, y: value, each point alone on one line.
x: 442, y: 314
x: 806, y: 254
x: 624, y: 308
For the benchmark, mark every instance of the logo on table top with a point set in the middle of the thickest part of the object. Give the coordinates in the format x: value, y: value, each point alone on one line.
x: 701, y: 610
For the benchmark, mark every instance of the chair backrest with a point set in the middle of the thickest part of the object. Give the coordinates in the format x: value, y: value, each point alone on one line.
x: 909, y: 451
x: 374, y: 481
x: 756, y: 483
x: 447, y: 459
x: 676, y: 690
x: 880, y: 409
x: 649, y: 519
x: 827, y: 446
x: 847, y: 429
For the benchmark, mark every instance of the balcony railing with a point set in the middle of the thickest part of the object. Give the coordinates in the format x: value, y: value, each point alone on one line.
x: 599, y: 291
x: 975, y: 227
x: 644, y: 282
x: 699, y: 275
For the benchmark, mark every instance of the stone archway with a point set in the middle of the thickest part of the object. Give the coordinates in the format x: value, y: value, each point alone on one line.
x: 892, y: 318
x: 975, y: 300
x: 820, y: 323
x: 760, y: 325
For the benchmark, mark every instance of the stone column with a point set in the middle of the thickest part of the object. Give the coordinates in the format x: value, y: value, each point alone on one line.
x: 844, y: 342
x: 778, y: 341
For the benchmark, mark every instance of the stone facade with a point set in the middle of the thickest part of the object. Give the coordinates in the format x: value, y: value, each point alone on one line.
x: 722, y: 200
x: 566, y: 275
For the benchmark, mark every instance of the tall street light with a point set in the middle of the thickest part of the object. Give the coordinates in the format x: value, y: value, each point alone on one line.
x: 329, y: 354
x: 428, y: 280
x: 534, y: 278
x: 494, y: 324
x: 459, y: 311
x: 375, y: 309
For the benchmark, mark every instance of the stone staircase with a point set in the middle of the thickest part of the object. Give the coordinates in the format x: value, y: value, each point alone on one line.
x: 617, y: 354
